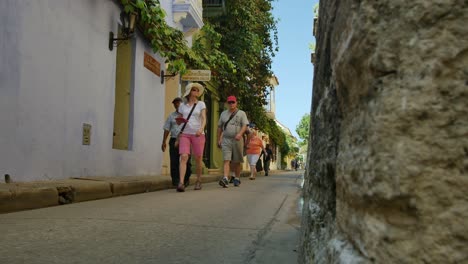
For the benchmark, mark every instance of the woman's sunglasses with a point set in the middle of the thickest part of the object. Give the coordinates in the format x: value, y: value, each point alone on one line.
x: 231, y: 102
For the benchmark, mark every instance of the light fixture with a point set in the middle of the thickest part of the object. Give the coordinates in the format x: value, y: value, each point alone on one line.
x: 128, y: 26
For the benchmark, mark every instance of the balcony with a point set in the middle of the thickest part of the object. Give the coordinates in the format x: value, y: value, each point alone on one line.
x: 270, y: 107
x: 213, y: 8
x: 188, y: 13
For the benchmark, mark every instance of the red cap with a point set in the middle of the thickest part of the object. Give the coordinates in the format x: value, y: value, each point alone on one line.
x: 232, y: 98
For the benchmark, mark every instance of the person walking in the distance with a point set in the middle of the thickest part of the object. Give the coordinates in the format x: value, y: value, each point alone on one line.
x: 172, y: 128
x: 267, y: 158
x: 254, y: 149
x: 193, y: 135
x: 231, y: 127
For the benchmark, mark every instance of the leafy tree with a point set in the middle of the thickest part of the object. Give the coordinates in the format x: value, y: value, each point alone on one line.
x: 316, y: 10
x: 249, y: 40
x: 293, y: 147
x: 237, y: 47
x: 302, y: 129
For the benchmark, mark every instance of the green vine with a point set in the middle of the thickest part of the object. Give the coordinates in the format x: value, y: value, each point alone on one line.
x: 165, y: 40
x: 206, y: 46
x: 237, y: 47
x: 248, y: 40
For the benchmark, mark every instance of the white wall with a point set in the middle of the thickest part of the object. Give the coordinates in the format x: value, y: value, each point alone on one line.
x: 56, y: 73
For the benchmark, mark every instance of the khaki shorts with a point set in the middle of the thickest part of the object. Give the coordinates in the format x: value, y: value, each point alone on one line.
x: 233, y: 150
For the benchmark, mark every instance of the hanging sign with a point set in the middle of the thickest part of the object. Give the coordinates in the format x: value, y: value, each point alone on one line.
x: 197, y: 75
x: 152, y: 64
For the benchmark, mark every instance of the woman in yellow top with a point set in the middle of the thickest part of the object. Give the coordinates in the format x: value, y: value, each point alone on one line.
x: 254, y: 149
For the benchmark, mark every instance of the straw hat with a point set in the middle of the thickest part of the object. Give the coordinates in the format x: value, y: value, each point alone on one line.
x: 189, y: 86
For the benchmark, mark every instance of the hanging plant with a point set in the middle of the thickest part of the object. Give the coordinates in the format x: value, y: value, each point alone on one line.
x: 165, y: 40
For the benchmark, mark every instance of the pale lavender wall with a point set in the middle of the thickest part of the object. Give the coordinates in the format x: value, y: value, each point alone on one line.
x: 56, y: 73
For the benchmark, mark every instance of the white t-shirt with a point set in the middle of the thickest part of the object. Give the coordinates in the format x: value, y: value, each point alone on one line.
x: 194, y: 122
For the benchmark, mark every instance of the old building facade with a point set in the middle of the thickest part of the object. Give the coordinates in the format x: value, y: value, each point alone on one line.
x: 75, y: 103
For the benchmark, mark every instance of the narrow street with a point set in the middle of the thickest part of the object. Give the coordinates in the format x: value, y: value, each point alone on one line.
x: 255, y: 223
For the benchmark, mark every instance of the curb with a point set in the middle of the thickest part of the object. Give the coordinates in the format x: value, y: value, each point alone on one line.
x: 16, y: 197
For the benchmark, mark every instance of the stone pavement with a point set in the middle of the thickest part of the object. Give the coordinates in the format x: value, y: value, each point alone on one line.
x: 32, y: 195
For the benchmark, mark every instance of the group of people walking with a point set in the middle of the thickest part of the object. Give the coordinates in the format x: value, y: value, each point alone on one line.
x: 186, y: 128
x: 295, y: 164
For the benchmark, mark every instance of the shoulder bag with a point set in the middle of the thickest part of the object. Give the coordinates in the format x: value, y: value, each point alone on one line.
x: 230, y: 118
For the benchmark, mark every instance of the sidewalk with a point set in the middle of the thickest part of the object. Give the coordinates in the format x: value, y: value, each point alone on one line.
x: 32, y: 195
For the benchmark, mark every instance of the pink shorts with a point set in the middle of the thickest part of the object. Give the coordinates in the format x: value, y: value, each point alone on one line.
x: 198, y: 144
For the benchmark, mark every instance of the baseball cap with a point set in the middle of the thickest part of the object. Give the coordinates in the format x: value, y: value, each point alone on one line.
x: 231, y: 98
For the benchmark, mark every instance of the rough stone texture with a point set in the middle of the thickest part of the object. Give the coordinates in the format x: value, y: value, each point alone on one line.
x: 88, y: 191
x: 73, y: 190
x: 387, y: 176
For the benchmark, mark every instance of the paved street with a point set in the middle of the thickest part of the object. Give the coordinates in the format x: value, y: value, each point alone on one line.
x: 255, y: 223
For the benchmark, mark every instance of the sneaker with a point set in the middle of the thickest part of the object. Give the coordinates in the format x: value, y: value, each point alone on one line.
x: 223, y: 182
x: 237, y: 182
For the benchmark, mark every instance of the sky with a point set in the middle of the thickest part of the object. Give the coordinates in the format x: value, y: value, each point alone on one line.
x: 292, y: 63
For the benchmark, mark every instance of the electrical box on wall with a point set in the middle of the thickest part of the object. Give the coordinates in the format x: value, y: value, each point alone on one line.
x: 86, y: 134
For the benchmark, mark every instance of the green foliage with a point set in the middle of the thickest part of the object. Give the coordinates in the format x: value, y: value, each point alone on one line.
x: 237, y: 47
x: 312, y: 46
x: 248, y: 37
x: 316, y: 9
x: 293, y: 147
x: 165, y: 40
x: 302, y: 129
x: 242, y: 43
x: 206, y: 46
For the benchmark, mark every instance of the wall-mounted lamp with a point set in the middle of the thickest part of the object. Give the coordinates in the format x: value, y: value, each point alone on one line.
x: 128, y: 26
x: 164, y: 76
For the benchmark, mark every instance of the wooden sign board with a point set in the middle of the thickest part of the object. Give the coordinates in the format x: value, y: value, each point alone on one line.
x: 197, y: 75
x: 152, y: 64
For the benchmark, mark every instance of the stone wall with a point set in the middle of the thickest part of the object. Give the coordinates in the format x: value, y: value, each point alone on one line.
x: 387, y: 175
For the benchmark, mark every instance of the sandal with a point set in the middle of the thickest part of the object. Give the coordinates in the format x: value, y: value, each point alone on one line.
x: 251, y: 178
x: 197, y: 185
x: 181, y: 187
